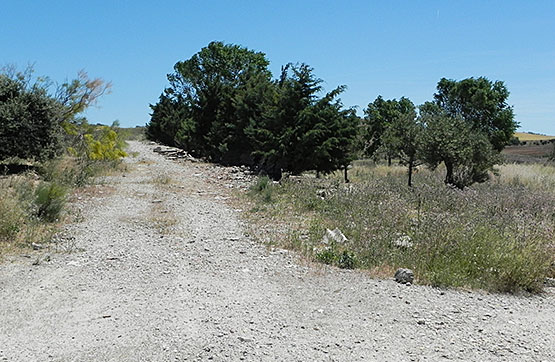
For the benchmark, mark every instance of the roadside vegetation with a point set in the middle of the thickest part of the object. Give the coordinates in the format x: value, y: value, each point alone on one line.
x: 496, y: 236
x: 47, y: 151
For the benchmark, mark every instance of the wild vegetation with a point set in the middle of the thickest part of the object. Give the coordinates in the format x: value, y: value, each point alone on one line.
x: 496, y: 236
x: 47, y: 150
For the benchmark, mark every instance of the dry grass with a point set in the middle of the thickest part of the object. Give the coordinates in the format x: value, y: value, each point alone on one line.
x: 32, y: 206
x: 536, y: 177
x: 522, y: 136
x: 163, y: 219
x: 496, y: 236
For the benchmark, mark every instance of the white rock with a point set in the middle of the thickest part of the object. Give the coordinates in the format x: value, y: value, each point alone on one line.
x: 403, y: 241
x: 334, y: 236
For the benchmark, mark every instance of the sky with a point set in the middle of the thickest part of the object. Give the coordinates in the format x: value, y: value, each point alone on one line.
x: 388, y: 48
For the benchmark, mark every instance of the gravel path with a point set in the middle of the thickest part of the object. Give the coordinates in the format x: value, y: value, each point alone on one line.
x: 161, y: 270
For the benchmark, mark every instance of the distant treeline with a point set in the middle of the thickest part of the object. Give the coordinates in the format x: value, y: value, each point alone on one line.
x: 223, y: 105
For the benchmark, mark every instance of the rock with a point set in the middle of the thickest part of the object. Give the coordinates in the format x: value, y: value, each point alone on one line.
x: 549, y: 282
x: 334, y: 236
x: 402, y: 241
x: 404, y: 276
x: 37, y: 246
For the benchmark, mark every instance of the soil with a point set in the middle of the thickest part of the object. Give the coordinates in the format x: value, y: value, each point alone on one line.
x: 158, y: 267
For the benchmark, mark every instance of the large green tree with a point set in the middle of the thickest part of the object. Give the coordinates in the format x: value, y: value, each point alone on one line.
x: 466, y: 126
x: 212, y: 98
x: 467, y: 154
x: 301, y: 131
x: 482, y: 104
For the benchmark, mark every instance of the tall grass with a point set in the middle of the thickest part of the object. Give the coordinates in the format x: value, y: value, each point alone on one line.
x: 496, y: 236
x: 537, y: 177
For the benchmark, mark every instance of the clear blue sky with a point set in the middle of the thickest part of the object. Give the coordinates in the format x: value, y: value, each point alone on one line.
x: 392, y: 48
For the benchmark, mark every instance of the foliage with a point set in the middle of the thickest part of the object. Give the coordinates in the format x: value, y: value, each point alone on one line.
x: 106, y: 146
x: 301, y: 131
x: 482, y: 104
x: 466, y: 153
x: 211, y: 99
x: 50, y: 199
x: 495, y: 236
x: 35, y: 123
x: 223, y: 105
x: 333, y: 255
x: 403, y: 138
x: 379, y: 115
x: 466, y: 127
x: 29, y: 126
x: 263, y: 189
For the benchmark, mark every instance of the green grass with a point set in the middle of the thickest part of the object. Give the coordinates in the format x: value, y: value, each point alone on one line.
x: 32, y: 204
x: 496, y: 236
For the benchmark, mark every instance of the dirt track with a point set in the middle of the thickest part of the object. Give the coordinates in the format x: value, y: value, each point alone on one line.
x: 161, y: 270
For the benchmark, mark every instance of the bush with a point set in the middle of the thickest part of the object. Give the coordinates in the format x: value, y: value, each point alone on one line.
x: 29, y: 127
x: 50, y: 198
x: 263, y: 189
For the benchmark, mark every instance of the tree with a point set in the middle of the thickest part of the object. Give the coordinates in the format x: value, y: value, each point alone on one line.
x: 279, y: 137
x: 79, y: 94
x: 168, y: 122
x: 466, y: 127
x: 331, y: 134
x: 467, y: 154
x: 214, y: 95
x: 482, y: 104
x: 29, y: 126
x: 378, y: 116
x: 34, y: 123
x: 301, y: 131
x: 403, y: 136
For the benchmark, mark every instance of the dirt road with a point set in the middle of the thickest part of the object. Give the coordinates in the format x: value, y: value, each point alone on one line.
x: 160, y: 269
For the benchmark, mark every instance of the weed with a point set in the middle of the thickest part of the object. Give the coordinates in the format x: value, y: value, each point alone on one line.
x: 263, y: 189
x: 50, y: 199
x: 162, y: 180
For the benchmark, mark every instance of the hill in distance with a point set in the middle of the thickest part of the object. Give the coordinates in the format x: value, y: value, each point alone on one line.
x: 528, y: 136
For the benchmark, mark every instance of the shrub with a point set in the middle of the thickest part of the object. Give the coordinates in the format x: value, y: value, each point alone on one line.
x: 106, y: 146
x: 49, y: 199
x: 263, y: 189
x: 29, y: 127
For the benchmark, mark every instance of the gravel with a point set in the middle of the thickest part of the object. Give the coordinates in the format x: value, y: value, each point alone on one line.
x: 159, y: 268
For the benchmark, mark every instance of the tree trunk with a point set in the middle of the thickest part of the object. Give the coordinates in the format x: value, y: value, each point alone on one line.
x: 411, y: 165
x: 317, y: 174
x: 345, y: 170
x: 449, y: 175
x: 388, y: 160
